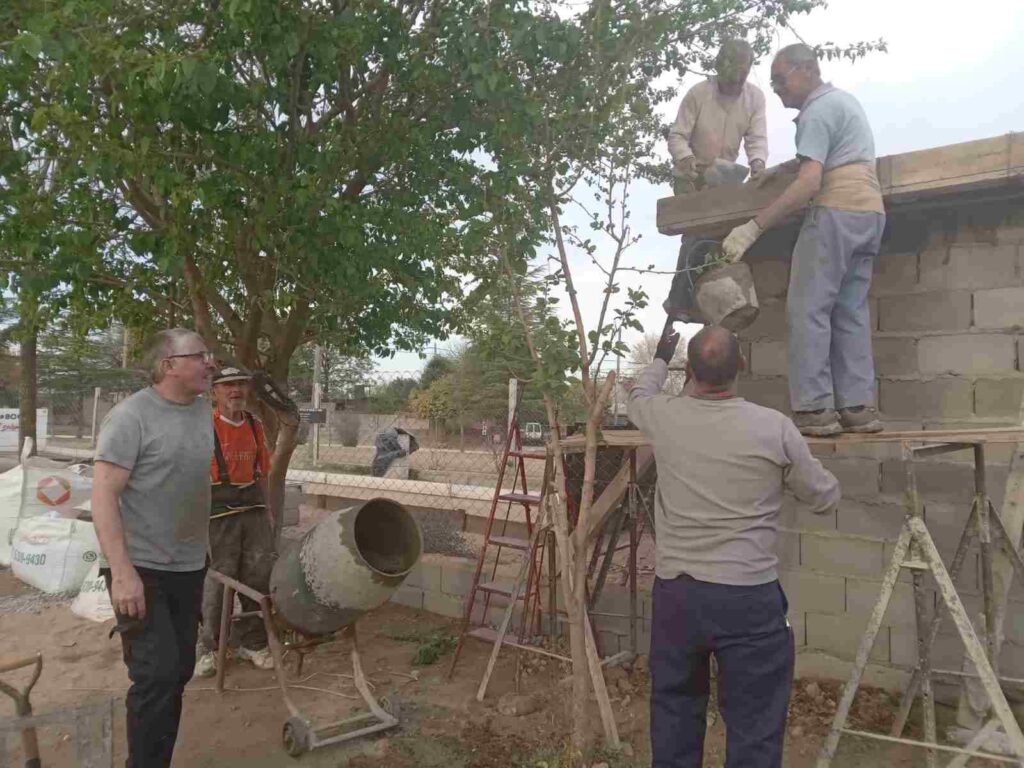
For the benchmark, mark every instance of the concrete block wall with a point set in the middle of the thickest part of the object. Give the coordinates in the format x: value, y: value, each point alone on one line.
x: 947, y: 303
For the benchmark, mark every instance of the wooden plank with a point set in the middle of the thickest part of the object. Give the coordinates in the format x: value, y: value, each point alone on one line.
x: 905, y: 178
x: 629, y: 438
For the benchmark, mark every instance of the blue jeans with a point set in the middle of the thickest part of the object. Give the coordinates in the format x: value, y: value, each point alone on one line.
x: 747, y: 631
x: 830, y: 359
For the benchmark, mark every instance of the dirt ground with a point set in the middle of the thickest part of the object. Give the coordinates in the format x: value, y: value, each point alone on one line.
x: 442, y: 723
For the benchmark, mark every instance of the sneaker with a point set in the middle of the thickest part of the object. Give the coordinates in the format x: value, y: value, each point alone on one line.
x: 261, y: 659
x: 860, y: 418
x: 206, y: 664
x: 823, y: 423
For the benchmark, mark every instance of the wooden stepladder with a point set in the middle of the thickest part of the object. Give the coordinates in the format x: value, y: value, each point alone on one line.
x: 915, y: 551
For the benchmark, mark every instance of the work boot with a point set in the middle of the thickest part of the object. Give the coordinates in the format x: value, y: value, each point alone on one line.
x: 206, y: 664
x: 860, y: 418
x: 261, y: 659
x: 821, y: 423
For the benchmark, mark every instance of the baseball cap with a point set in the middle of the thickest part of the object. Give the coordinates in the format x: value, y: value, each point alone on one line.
x: 224, y: 375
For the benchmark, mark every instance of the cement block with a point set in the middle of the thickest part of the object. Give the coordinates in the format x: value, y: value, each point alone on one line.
x: 946, y: 481
x: 848, y: 556
x: 795, y: 515
x: 443, y: 605
x: 770, y: 323
x: 857, y: 477
x: 1011, y: 231
x: 807, y: 591
x: 787, y: 547
x: 840, y: 636
x: 947, y: 652
x: 895, y: 356
x: 862, y: 596
x: 894, y: 273
x: 769, y: 391
x: 456, y: 579
x: 977, y: 265
x: 966, y: 353
x: 878, y: 519
x: 608, y: 643
x: 768, y: 358
x: 411, y: 597
x: 771, y: 278
x: 998, y: 398
x: 945, y: 397
x: 425, y: 576
x: 935, y: 311
x: 999, y: 308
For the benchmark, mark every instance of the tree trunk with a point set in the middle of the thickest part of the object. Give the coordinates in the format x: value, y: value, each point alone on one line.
x: 27, y: 383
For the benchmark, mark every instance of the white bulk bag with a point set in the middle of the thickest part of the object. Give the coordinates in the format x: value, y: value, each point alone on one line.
x: 52, y: 486
x: 10, y: 503
x: 52, y: 553
x: 93, y: 601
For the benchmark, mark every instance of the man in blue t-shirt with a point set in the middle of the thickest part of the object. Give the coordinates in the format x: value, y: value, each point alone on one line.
x: 831, y: 367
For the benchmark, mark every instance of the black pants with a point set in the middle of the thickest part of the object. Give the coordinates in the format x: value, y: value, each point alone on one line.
x: 747, y: 631
x: 160, y: 654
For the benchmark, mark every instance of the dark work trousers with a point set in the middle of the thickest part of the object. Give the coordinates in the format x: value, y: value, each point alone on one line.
x: 747, y: 631
x: 242, y: 547
x: 160, y: 654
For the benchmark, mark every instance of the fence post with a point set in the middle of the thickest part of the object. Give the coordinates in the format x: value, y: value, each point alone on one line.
x: 95, y: 414
x: 513, y: 392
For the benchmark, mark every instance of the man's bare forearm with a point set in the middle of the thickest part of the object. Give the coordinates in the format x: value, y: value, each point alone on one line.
x: 106, y: 517
x: 794, y: 197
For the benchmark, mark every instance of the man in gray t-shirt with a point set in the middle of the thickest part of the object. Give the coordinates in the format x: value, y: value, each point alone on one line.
x: 722, y: 465
x: 151, y: 508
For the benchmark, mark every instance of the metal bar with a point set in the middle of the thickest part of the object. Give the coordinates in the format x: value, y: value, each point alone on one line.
x: 910, y: 693
x: 985, y: 544
x: 633, y: 544
x: 360, y: 682
x: 317, y: 743
x: 924, y: 664
x: 274, y: 643
x: 236, y: 585
x: 939, y: 747
x: 970, y: 639
x: 828, y: 748
x: 227, y: 606
x: 613, y: 539
x: 552, y: 582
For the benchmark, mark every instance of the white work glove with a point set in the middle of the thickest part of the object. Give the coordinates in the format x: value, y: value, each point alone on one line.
x: 740, y: 240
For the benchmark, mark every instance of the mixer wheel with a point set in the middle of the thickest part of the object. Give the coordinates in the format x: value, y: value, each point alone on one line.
x: 296, y: 736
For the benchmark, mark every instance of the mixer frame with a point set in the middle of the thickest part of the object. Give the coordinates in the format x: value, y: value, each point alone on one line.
x: 299, y: 733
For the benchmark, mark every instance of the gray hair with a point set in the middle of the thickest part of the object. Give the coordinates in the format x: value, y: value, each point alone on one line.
x: 162, y: 345
x: 799, y: 55
x: 736, y: 48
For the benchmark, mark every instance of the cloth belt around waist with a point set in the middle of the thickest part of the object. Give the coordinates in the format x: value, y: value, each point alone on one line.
x: 227, y: 499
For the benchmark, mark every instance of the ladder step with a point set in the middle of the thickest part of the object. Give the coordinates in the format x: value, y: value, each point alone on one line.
x: 527, y: 499
x: 487, y: 634
x: 540, y: 455
x: 511, y: 542
x: 496, y: 587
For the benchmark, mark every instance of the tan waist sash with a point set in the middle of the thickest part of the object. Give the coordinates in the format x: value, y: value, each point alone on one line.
x: 852, y: 187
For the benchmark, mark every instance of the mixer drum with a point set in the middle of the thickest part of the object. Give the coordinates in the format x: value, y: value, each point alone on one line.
x: 349, y: 563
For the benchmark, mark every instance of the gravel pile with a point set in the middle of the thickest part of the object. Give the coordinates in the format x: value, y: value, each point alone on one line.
x: 442, y: 534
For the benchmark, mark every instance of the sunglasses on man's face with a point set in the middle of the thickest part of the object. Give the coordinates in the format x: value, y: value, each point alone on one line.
x: 205, y: 357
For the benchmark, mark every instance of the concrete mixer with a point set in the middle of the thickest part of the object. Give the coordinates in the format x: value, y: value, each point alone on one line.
x: 346, y: 565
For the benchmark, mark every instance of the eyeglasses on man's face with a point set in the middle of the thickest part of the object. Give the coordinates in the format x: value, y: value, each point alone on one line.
x: 204, y: 357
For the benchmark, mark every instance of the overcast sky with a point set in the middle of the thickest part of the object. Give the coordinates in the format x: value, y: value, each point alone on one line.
x: 953, y: 73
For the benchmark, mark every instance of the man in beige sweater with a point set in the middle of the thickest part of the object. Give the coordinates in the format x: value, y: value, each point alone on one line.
x: 715, y: 116
x: 722, y: 465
